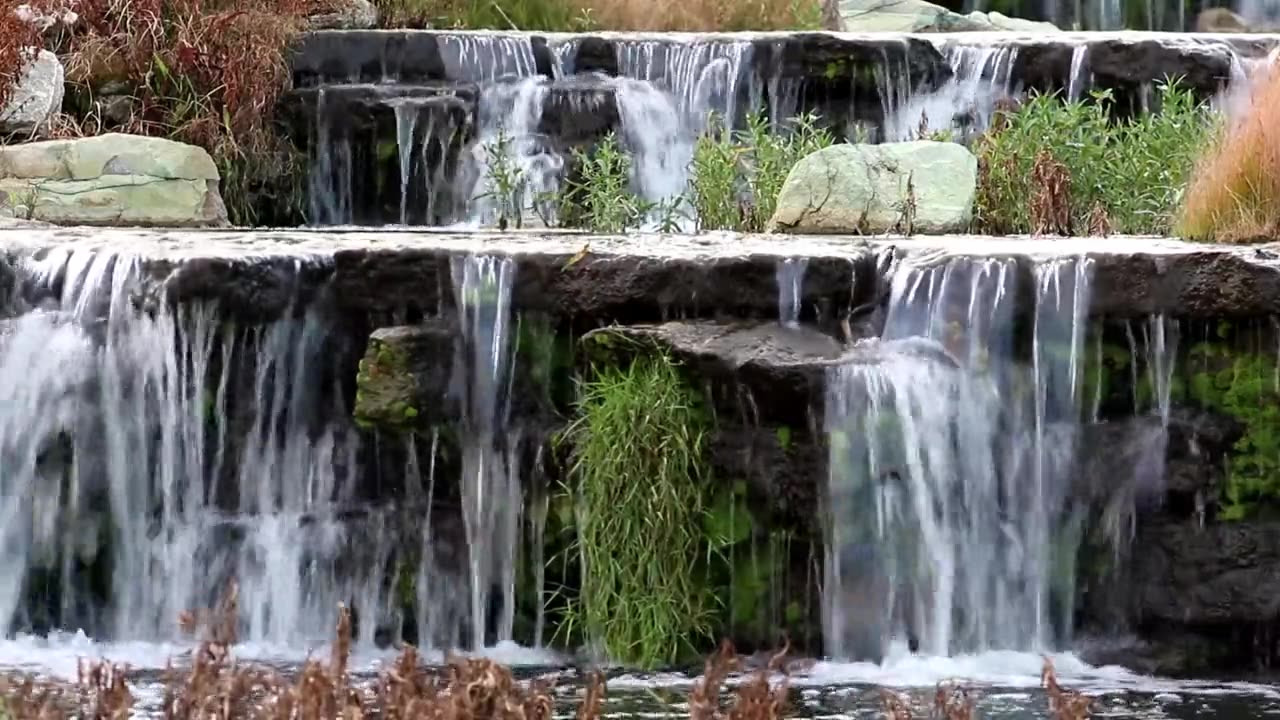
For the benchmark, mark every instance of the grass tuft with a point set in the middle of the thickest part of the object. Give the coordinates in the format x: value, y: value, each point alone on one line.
x: 1234, y: 195
x: 638, y: 472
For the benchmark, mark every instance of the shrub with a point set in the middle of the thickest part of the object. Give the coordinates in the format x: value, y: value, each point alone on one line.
x: 205, y: 72
x: 1235, y: 193
x: 1127, y: 176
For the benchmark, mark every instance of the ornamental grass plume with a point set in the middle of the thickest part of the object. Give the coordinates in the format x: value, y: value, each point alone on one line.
x: 1234, y: 194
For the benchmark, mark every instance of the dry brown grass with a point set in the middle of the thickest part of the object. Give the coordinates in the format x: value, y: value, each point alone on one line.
x: 1064, y: 704
x: 1234, y: 195
x: 1051, y: 198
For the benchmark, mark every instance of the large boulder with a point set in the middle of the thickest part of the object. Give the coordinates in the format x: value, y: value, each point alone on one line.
x: 922, y: 186
x: 922, y: 16
x: 37, y: 98
x: 112, y: 179
x: 1220, y: 20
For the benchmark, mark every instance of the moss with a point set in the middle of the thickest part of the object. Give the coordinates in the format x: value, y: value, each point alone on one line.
x: 1242, y: 385
x: 384, y: 389
x: 784, y: 438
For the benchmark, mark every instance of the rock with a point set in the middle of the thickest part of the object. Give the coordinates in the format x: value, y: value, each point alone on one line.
x: 770, y: 373
x: 902, y: 16
x: 1000, y: 21
x: 37, y: 97
x: 922, y: 16
x: 922, y: 187
x: 49, y: 20
x: 112, y: 179
x: 404, y: 377
x: 1220, y: 20
x: 350, y: 15
x: 1221, y: 574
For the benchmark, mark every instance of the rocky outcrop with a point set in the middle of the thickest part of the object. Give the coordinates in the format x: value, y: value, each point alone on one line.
x: 913, y: 187
x: 37, y: 98
x: 111, y: 179
x: 404, y: 377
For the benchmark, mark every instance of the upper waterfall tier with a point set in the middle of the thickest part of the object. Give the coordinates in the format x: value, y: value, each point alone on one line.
x: 643, y: 277
x: 1039, y: 60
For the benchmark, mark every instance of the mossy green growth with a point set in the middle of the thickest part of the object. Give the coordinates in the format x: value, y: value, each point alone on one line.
x: 638, y: 471
x: 385, y: 388
x: 1243, y: 385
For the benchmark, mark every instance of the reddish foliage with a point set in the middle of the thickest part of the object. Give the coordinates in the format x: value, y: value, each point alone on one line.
x: 16, y: 38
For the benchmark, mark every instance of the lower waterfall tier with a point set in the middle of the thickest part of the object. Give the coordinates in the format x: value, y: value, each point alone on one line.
x: 957, y: 444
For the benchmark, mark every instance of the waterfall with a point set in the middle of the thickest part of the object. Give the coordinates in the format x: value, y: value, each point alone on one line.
x: 197, y: 450
x: 949, y: 469
x: 491, y: 490
x: 964, y: 105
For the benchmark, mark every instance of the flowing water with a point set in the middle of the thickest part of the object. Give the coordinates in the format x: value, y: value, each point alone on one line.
x: 950, y: 465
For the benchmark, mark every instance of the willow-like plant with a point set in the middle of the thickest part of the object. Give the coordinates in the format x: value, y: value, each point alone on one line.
x: 638, y: 471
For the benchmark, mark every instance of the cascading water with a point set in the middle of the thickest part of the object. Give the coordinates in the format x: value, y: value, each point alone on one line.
x: 492, y: 501
x: 949, y: 468
x: 198, y: 451
x: 964, y: 105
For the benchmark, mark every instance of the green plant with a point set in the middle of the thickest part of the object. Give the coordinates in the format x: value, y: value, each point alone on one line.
x: 637, y: 469
x: 736, y: 177
x: 506, y: 181
x: 1244, y: 386
x: 535, y: 15
x: 604, y: 188
x: 1126, y: 176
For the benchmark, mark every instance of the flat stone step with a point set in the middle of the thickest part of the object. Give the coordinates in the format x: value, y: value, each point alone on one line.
x: 644, y: 277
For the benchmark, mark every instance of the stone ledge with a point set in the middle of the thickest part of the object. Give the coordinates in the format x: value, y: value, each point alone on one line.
x: 645, y: 278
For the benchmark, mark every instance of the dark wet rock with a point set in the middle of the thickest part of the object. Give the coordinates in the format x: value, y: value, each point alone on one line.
x: 596, y: 287
x: 767, y: 373
x: 580, y: 110
x: 784, y: 466
x: 1210, y: 284
x: 1219, y: 574
x: 258, y: 290
x: 355, y: 56
x: 1155, y: 467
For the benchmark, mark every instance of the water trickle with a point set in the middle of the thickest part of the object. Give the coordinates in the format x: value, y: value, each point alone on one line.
x: 1080, y: 77
x: 406, y: 123
x: 951, y: 452
x: 491, y: 493
x: 790, y: 289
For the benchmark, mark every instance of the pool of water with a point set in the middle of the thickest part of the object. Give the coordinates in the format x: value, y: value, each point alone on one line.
x: 1006, y: 684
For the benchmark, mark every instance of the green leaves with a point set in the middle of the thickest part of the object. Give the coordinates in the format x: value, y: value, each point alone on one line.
x: 638, y: 472
x: 1135, y: 170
